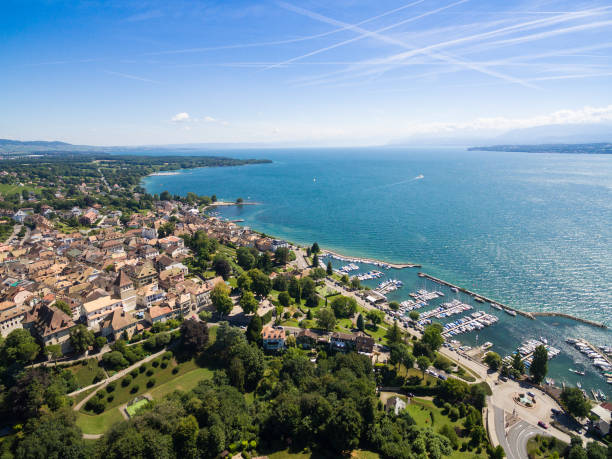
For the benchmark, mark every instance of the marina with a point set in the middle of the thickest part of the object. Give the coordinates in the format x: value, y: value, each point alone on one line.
x: 599, y: 358
x: 527, y: 349
x: 476, y: 321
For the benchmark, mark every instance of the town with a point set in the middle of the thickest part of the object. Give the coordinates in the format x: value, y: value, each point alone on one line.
x: 126, y: 297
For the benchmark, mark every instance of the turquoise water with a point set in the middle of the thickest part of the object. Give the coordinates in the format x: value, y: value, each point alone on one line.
x: 530, y: 230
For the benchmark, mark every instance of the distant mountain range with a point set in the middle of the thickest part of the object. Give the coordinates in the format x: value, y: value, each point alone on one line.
x: 573, y: 148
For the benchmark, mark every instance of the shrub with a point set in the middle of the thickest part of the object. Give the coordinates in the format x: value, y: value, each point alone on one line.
x: 95, y: 404
x: 167, y: 355
x: 135, y: 388
x: 175, y: 370
x: 99, y: 394
x: 134, y: 373
x: 142, y: 368
x: 100, y: 375
x: 126, y: 381
x: 151, y: 382
x: 110, y: 398
x: 111, y: 387
x: 155, y: 363
x: 150, y: 372
x: 164, y: 365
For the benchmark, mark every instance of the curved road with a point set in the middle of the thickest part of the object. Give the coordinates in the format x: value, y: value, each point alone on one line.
x: 515, y: 440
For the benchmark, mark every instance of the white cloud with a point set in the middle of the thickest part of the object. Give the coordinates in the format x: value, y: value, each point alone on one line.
x: 209, y: 119
x: 586, y: 115
x: 181, y: 117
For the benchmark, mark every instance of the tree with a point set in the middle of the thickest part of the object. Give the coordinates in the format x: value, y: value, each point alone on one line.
x: 294, y: 289
x: 394, y: 334
x: 312, y: 301
x: 239, y: 201
x: 281, y: 256
x: 517, y: 363
x: 315, y: 248
x: 539, y: 365
x: 253, y: 331
x: 345, y: 427
x: 221, y: 300
x: 423, y: 364
x: 414, y: 315
x: 19, y: 347
x: 575, y: 402
x: 244, y: 282
x: 596, y: 451
x: 344, y: 306
x: 493, y: 360
x: 194, y: 335
x: 432, y: 336
x: 375, y: 316
x: 54, y: 351
x: 185, y: 436
x: 326, y: 319
x: 245, y: 259
x: 360, y: 323
x: 81, y: 338
x: 400, y: 354
x: 497, y: 453
x: 330, y: 269
x: 248, y: 302
x: 315, y: 260
x: 222, y: 266
x: 52, y: 436
x: 63, y: 306
x: 261, y: 283
x: 99, y: 343
x: 284, y: 299
x: 307, y: 286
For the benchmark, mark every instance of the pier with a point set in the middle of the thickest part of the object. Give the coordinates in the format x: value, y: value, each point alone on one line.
x: 567, y: 316
x: 476, y: 296
x: 369, y: 260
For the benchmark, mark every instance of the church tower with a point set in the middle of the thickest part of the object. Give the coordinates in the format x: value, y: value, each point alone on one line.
x: 124, y: 289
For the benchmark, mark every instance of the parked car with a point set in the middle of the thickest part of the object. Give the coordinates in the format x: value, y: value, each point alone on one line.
x: 543, y: 425
x: 531, y: 394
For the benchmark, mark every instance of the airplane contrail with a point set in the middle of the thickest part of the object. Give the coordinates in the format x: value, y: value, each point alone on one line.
x: 374, y: 34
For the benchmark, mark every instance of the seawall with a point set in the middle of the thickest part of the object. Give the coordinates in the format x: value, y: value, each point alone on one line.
x: 568, y: 316
x: 530, y: 315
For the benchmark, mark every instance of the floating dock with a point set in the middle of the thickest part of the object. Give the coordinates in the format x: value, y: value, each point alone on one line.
x: 529, y: 315
x: 369, y: 260
x: 476, y: 296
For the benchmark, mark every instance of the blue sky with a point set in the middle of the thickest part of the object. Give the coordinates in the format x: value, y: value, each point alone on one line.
x: 332, y: 72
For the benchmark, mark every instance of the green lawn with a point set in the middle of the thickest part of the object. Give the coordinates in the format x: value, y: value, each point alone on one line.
x: 186, y: 379
x: 97, y: 424
x: 123, y: 395
x: 85, y: 373
x: 11, y: 188
x: 184, y: 382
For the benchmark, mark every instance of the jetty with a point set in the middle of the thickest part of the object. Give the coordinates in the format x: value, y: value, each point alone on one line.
x: 568, y: 316
x: 476, y: 296
x: 368, y: 260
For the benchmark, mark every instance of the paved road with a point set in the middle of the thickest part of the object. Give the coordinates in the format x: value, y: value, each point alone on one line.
x: 518, y: 435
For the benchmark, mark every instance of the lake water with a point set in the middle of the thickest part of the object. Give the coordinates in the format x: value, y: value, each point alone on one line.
x: 533, y: 231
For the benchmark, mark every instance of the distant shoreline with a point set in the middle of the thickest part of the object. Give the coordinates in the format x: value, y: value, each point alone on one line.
x: 561, y: 148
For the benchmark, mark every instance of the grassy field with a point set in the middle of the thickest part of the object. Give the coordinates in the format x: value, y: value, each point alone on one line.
x: 8, y: 188
x: 123, y: 394
x: 97, y: 424
x: 85, y: 373
x: 184, y: 382
x: 186, y: 379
